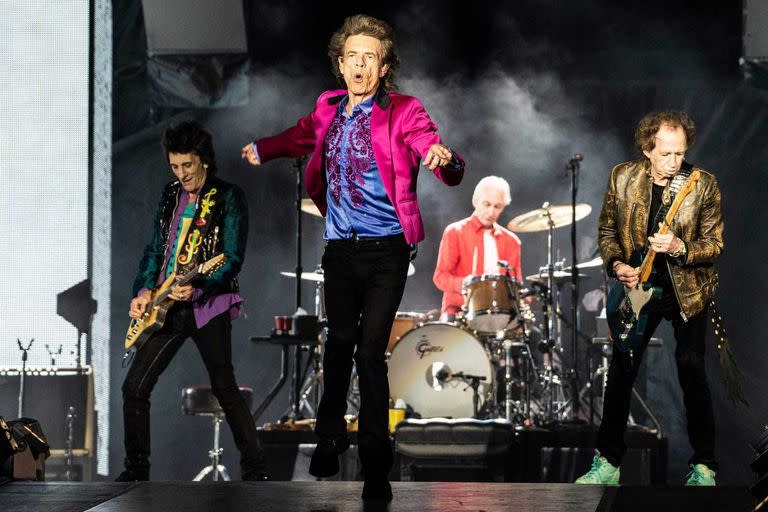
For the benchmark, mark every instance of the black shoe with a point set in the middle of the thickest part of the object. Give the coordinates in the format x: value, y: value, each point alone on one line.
x: 131, y: 475
x: 325, y: 458
x: 377, y: 488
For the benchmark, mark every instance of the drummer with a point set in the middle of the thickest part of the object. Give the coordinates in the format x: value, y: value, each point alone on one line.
x: 476, y: 245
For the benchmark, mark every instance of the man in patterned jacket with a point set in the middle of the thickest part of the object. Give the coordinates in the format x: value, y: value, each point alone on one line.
x: 366, y: 143
x: 199, y: 216
x: 685, y: 272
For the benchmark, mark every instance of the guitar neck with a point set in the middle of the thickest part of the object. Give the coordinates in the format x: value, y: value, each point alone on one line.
x: 647, y: 265
x: 185, y: 278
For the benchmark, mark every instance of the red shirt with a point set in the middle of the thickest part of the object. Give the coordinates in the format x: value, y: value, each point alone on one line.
x: 461, y: 241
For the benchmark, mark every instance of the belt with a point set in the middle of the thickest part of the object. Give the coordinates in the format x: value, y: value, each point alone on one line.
x: 355, y: 239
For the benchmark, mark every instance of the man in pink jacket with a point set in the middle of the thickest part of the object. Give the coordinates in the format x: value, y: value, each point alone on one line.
x: 366, y: 143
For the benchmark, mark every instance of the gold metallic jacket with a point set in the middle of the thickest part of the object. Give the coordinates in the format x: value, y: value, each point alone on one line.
x: 623, y: 225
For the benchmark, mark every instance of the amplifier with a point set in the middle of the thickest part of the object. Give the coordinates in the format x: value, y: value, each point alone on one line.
x: 49, y: 394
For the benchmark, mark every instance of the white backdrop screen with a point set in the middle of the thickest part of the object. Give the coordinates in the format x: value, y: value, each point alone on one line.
x: 43, y: 172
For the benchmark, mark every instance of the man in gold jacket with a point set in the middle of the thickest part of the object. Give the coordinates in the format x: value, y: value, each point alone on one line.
x: 684, y: 270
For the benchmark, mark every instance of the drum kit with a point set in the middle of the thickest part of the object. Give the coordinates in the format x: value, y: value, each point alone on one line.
x: 494, y: 360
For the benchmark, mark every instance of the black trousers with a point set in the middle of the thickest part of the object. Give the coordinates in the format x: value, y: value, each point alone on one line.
x: 214, y: 342
x: 689, y: 355
x: 364, y: 282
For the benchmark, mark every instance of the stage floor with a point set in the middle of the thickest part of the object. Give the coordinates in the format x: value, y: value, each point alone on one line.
x: 345, y: 497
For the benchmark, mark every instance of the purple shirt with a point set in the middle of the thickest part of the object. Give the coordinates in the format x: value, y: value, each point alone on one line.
x: 356, y: 197
x: 214, y: 305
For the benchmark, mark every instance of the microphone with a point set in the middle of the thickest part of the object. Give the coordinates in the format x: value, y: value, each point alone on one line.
x: 573, y: 162
x: 439, y: 375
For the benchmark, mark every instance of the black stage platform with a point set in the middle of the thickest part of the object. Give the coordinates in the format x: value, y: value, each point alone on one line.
x: 345, y: 496
x: 533, y: 456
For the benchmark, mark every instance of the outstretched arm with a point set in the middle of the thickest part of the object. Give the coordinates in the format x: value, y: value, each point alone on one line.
x: 420, y: 134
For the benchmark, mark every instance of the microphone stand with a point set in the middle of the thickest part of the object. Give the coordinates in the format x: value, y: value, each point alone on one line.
x: 573, y: 168
x: 474, y: 383
x: 298, y: 165
x: 22, y: 383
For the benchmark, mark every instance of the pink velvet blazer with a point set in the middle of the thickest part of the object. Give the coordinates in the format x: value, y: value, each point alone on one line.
x: 401, y: 133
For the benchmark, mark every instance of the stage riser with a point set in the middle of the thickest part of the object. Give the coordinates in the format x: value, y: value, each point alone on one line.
x: 533, y: 456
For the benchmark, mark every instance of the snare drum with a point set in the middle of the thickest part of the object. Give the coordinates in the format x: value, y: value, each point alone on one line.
x: 422, y: 365
x: 490, y: 302
x: 404, y: 322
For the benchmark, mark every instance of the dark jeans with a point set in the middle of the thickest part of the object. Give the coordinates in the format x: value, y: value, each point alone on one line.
x: 689, y: 355
x: 214, y: 342
x: 364, y: 282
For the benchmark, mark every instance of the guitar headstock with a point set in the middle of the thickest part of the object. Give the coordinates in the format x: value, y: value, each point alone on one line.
x: 687, y: 187
x: 213, y: 264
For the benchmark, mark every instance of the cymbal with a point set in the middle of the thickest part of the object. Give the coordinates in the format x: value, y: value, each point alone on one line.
x: 559, y: 276
x: 307, y: 276
x: 539, y: 219
x: 594, y: 262
x: 318, y: 276
x: 308, y: 206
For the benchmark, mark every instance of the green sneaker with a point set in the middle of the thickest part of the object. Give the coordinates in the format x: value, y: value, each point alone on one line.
x: 602, y: 473
x: 700, y: 475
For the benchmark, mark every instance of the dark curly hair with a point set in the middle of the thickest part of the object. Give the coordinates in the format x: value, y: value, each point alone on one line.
x: 362, y: 24
x: 189, y: 136
x: 649, y: 125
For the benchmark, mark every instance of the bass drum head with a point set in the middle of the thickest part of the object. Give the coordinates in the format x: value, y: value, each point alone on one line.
x: 415, y: 366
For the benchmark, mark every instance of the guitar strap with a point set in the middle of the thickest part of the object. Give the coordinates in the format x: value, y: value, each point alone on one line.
x: 732, y: 376
x: 207, y: 210
x: 670, y: 191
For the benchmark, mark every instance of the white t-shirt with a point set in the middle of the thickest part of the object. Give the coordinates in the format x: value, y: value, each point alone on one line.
x: 491, y: 253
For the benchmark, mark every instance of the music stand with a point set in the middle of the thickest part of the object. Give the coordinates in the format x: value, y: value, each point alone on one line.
x: 76, y: 306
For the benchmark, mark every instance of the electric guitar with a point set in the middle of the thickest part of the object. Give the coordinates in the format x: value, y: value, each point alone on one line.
x: 624, y: 307
x: 140, y: 329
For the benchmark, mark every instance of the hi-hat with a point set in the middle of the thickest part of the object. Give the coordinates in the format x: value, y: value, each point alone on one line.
x: 540, y: 219
x: 594, y: 262
x: 308, y: 206
x: 557, y: 275
x: 308, y: 276
x: 318, y: 276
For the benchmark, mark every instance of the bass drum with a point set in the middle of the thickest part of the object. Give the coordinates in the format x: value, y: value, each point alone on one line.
x: 423, y: 368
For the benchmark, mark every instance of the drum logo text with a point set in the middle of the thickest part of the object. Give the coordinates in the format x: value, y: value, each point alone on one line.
x: 425, y: 347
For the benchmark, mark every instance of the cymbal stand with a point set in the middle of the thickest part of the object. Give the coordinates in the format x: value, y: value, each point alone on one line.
x: 515, y: 410
x: 311, y: 389
x: 551, y: 339
x: 295, y: 396
x: 573, y: 374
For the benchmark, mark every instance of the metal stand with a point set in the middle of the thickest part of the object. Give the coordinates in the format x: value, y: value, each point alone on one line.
x: 215, y: 454
x: 602, y: 373
x: 22, y: 381
x: 573, y: 376
x: 295, y: 400
x: 311, y: 389
x: 280, y: 382
x: 69, y: 473
x: 551, y: 344
x: 474, y: 382
x: 521, y: 409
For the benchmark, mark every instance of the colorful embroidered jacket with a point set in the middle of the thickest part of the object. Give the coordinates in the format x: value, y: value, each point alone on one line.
x: 221, y: 223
